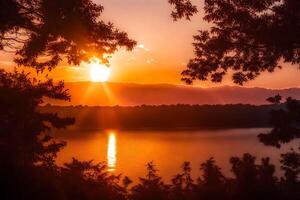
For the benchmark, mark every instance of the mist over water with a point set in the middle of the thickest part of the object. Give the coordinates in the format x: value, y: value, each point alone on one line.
x: 127, y: 152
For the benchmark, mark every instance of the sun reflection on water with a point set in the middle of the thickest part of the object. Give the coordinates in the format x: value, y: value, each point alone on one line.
x: 111, y: 152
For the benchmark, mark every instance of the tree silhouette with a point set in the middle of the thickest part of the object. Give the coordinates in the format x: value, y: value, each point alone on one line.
x: 183, y: 9
x: 213, y: 184
x: 246, y: 37
x: 23, y: 137
x: 253, y: 181
x: 183, y: 185
x: 27, y: 149
x: 85, y: 180
x: 150, y: 187
x: 285, y: 123
x: 250, y: 37
x: 291, y: 166
x: 43, y: 32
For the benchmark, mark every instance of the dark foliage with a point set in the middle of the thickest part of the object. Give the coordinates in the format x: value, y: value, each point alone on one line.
x: 42, y: 33
x: 150, y: 187
x: 171, y: 117
x: 275, y: 100
x: 213, y: 184
x: 45, y: 32
x: 88, y: 181
x: 23, y: 141
x: 22, y: 136
x: 290, y: 162
x: 247, y: 37
x: 285, y: 123
x: 27, y: 152
x: 183, y: 9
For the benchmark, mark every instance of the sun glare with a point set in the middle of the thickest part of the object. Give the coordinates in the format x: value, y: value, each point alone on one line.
x: 111, y: 152
x: 98, y: 71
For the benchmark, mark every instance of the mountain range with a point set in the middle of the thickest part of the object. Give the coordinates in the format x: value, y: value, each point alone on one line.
x: 132, y: 94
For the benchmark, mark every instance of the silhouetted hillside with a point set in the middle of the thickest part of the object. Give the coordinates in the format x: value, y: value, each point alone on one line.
x: 129, y: 94
x: 165, y: 117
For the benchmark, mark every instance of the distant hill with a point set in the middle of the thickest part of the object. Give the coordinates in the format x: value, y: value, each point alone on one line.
x: 129, y: 94
x: 171, y: 117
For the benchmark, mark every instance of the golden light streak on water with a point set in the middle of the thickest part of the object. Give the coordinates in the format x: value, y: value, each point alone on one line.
x: 111, y: 152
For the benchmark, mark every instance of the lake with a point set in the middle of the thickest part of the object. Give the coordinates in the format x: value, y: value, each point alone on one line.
x: 127, y: 152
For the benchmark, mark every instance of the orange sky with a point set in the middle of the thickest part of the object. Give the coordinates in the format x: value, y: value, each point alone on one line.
x: 164, y: 47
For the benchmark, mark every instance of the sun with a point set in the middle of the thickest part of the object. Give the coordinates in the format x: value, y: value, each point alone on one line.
x: 99, y: 72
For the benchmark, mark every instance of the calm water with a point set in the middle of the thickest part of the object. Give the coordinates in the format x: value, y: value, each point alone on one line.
x: 128, y: 152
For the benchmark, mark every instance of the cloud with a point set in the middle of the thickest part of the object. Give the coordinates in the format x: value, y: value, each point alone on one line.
x: 141, y: 47
x: 150, y: 60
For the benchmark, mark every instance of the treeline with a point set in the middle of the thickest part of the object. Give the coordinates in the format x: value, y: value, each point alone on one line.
x: 165, y: 117
x: 87, y: 181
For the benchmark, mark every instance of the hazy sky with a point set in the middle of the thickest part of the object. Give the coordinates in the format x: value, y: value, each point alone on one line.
x: 164, y: 47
